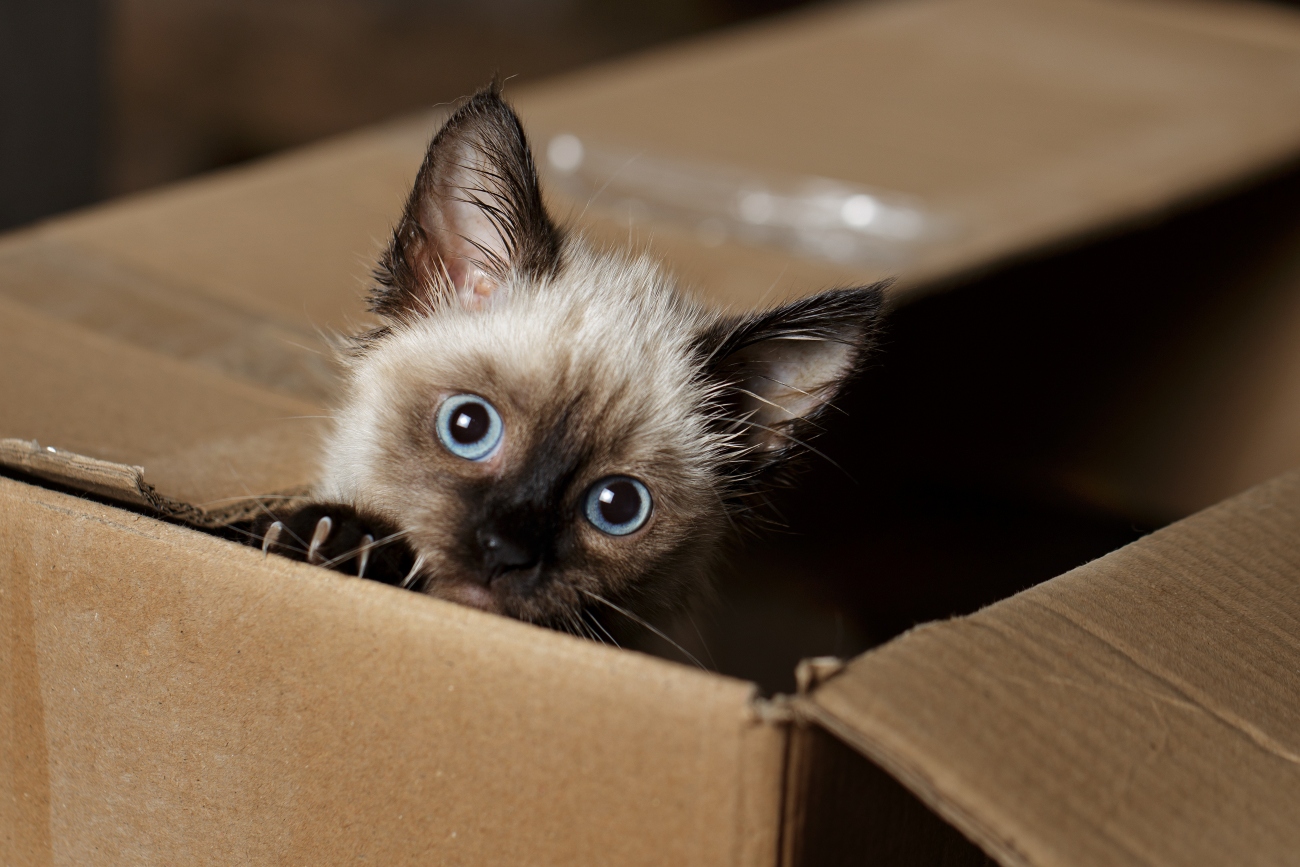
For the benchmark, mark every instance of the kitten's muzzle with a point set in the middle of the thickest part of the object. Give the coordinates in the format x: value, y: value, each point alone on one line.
x: 502, y: 555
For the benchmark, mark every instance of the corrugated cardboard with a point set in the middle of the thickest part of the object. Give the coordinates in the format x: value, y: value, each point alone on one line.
x: 1029, y: 123
x: 1142, y: 709
x: 174, y: 697
x: 1219, y: 409
x: 1164, y: 375
x: 203, y: 439
x: 1036, y: 123
x: 171, y: 698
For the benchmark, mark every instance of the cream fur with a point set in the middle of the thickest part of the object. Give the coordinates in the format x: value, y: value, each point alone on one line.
x: 610, y: 336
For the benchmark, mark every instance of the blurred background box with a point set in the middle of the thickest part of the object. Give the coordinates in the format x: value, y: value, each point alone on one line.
x: 106, y: 97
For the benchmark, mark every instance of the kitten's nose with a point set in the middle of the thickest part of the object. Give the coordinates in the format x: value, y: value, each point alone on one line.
x: 502, y: 553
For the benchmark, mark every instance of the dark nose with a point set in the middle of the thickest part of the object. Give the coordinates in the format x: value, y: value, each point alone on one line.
x: 503, y: 553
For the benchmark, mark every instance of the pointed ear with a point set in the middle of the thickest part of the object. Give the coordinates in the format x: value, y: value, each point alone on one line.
x: 474, y: 217
x: 779, y: 370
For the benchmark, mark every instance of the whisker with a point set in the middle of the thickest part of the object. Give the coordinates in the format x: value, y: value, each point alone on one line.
x: 759, y: 397
x: 592, y: 632
x: 567, y: 625
x: 579, y: 628
x: 643, y: 622
x: 776, y: 405
x: 592, y: 198
x: 583, y: 631
x: 365, y: 546
x: 260, y: 504
x: 804, y: 393
x: 596, y: 622
x: 703, y: 643
x: 204, y: 505
x: 794, y: 440
x: 767, y: 293
x: 300, y: 346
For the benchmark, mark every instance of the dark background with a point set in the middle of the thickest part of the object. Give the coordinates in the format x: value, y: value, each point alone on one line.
x: 104, y: 97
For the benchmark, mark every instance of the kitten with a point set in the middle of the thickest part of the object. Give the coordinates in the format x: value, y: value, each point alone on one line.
x: 544, y: 429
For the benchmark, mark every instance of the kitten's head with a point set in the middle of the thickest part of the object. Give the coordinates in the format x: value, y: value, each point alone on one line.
x: 557, y: 429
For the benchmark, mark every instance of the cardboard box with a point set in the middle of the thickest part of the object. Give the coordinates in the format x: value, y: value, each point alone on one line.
x: 174, y: 697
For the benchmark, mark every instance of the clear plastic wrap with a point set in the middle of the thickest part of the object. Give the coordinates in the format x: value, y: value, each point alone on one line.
x: 820, y: 218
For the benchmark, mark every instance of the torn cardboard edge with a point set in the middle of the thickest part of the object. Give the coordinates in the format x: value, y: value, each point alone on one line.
x: 121, y: 484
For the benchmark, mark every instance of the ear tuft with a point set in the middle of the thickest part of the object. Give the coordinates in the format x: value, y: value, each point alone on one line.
x: 474, y: 216
x: 778, y: 370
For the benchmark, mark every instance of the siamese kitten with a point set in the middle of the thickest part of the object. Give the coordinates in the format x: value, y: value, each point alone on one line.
x: 545, y: 429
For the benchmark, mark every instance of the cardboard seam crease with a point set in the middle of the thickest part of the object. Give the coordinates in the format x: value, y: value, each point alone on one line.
x: 63, y: 280
x: 1193, y: 696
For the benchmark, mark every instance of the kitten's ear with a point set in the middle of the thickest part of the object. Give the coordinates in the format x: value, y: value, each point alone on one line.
x: 474, y: 217
x: 778, y: 370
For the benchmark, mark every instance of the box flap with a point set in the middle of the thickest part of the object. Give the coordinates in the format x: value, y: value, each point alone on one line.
x: 1142, y: 709
x: 1029, y: 123
x: 1023, y: 123
x: 290, y: 240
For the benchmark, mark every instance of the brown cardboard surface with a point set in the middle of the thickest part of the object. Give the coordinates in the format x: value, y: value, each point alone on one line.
x: 291, y: 239
x: 172, y: 698
x: 120, y: 483
x: 1220, y: 411
x: 1028, y: 122
x: 202, y: 439
x: 69, y: 283
x: 1142, y: 709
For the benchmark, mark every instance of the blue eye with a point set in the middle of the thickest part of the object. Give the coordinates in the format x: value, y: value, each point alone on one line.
x: 618, y: 505
x: 468, y: 426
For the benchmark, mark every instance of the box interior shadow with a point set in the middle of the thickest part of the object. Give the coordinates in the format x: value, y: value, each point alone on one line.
x: 978, y: 454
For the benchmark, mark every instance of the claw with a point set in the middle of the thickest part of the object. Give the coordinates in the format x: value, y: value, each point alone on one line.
x: 272, y: 536
x: 322, y: 532
x: 364, y: 557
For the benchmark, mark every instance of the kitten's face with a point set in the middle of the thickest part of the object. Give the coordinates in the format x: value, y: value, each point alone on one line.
x: 554, y: 429
x: 491, y: 436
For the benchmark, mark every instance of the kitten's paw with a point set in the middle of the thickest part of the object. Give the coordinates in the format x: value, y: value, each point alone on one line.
x: 337, y: 537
